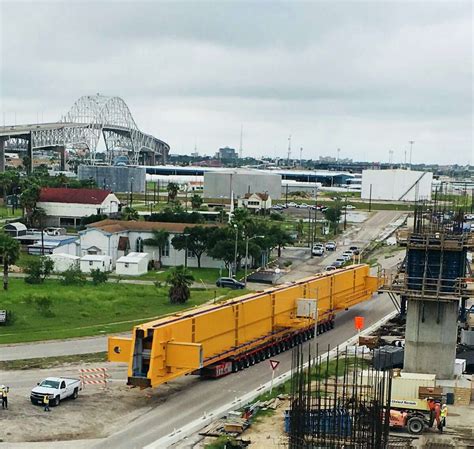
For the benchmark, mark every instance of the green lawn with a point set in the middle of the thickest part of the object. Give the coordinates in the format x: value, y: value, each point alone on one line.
x: 6, y: 212
x: 87, y: 310
x: 201, y: 275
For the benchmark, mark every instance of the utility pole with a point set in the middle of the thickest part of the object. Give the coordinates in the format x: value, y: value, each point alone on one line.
x: 241, y: 135
x: 411, y: 142
x: 301, y: 156
x: 289, y: 150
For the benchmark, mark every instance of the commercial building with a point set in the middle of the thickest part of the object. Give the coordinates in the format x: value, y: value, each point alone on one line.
x: 396, y: 185
x: 115, y: 238
x: 114, y: 178
x: 239, y: 182
x: 226, y: 153
x: 66, y: 207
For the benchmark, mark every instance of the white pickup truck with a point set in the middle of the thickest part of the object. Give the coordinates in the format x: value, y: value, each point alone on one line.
x: 58, y: 388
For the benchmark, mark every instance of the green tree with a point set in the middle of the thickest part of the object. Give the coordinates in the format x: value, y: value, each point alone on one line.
x: 38, y: 269
x: 179, y: 281
x: 129, y: 213
x: 173, y: 190
x: 159, y: 239
x: 196, y: 239
x: 222, y: 246
x: 37, y: 217
x: 196, y: 201
x: 73, y: 276
x: 9, y: 252
x: 28, y: 199
x: 279, y: 238
x: 333, y: 215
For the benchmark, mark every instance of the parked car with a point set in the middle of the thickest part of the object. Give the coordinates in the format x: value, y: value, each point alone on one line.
x: 302, y: 206
x: 338, y: 263
x: 292, y: 204
x: 350, y: 207
x: 57, y: 388
x: 229, y: 283
x: 354, y: 250
x: 331, y: 246
x: 318, y: 250
x: 347, y: 254
x: 330, y: 268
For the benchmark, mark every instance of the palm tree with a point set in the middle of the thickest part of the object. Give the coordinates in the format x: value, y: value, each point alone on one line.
x: 159, y: 239
x: 28, y: 200
x: 129, y: 213
x: 179, y: 281
x: 173, y: 189
x: 9, y: 252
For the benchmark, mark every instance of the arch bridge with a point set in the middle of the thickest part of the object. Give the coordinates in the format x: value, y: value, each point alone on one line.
x: 89, y: 118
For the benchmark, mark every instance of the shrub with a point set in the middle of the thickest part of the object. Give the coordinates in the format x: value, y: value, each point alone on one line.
x: 98, y: 276
x: 38, y: 269
x: 73, y: 276
x: 275, y: 216
x: 43, y: 305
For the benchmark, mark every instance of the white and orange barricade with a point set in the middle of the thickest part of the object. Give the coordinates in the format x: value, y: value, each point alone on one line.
x: 93, y: 376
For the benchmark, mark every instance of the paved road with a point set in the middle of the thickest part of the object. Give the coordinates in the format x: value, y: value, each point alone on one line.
x: 193, y: 397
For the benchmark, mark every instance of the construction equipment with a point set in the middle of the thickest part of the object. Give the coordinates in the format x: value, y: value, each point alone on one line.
x: 214, y: 340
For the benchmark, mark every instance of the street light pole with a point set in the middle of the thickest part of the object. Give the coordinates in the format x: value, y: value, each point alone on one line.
x: 186, y: 250
x: 235, y: 250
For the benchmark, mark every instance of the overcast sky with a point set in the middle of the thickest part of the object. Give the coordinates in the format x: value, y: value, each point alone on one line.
x: 365, y: 77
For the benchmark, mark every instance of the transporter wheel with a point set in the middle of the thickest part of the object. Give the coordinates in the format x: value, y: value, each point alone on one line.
x: 252, y: 360
x: 246, y: 362
x: 332, y: 324
x: 415, y: 425
x: 240, y: 365
x: 235, y: 366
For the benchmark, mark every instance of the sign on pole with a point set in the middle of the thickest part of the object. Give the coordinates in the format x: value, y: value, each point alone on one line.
x: 359, y: 322
x: 274, y: 364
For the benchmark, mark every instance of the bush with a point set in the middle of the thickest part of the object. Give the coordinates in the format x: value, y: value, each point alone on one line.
x: 276, y: 216
x: 42, y: 304
x: 98, y: 276
x: 38, y: 269
x: 73, y: 276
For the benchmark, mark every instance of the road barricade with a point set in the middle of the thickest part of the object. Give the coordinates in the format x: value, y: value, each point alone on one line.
x: 93, y: 376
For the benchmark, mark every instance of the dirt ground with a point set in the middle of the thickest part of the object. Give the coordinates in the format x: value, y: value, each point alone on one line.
x: 96, y: 413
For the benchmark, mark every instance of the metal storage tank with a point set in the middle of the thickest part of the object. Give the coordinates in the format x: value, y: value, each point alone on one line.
x: 241, y: 181
x: 115, y: 178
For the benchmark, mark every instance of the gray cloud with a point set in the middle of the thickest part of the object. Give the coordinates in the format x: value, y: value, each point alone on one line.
x: 363, y: 76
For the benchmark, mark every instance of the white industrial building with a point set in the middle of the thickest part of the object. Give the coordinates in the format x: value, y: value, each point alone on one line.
x: 396, y: 185
x: 238, y: 182
x: 66, y: 207
x: 91, y: 262
x: 63, y: 262
x: 133, y: 264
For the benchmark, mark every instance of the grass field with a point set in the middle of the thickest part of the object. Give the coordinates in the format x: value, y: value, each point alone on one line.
x: 87, y: 310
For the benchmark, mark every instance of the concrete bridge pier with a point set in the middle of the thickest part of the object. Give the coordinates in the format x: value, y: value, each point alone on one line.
x: 2, y: 153
x: 62, y: 154
x: 430, y: 338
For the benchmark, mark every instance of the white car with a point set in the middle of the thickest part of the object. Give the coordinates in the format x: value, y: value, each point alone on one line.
x: 318, y: 250
x: 292, y: 204
x: 330, y: 246
x: 57, y: 388
x: 350, y: 207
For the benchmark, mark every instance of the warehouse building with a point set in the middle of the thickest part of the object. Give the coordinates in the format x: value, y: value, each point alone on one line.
x: 114, y: 178
x: 221, y: 184
x: 396, y: 185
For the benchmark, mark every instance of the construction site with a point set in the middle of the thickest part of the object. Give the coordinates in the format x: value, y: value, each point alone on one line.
x: 407, y: 383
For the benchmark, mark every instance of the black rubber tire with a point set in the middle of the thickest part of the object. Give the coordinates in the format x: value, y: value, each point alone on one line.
x: 415, y: 425
x: 57, y: 401
x: 75, y: 394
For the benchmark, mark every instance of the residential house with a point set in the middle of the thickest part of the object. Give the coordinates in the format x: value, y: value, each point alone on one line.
x: 115, y: 238
x: 66, y: 207
x: 255, y: 202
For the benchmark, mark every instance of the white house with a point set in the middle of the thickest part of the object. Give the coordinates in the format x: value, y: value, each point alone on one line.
x: 93, y: 261
x: 116, y: 238
x: 255, y: 201
x: 66, y: 207
x: 133, y: 264
x: 63, y: 262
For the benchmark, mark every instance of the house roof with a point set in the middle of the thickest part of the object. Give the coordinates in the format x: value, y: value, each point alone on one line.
x: 262, y: 196
x: 17, y: 225
x: 76, y: 196
x: 133, y: 257
x: 115, y: 226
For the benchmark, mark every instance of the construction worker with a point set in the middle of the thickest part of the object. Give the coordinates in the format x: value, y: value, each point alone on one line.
x: 431, y: 407
x: 437, y: 414
x: 5, y: 391
x: 444, y: 414
x: 46, y: 403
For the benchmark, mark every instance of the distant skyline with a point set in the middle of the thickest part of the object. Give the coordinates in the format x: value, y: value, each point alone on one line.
x: 365, y: 77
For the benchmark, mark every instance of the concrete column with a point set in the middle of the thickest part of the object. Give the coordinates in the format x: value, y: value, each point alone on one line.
x: 430, y: 347
x: 2, y: 154
x: 62, y: 154
x: 29, y: 153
